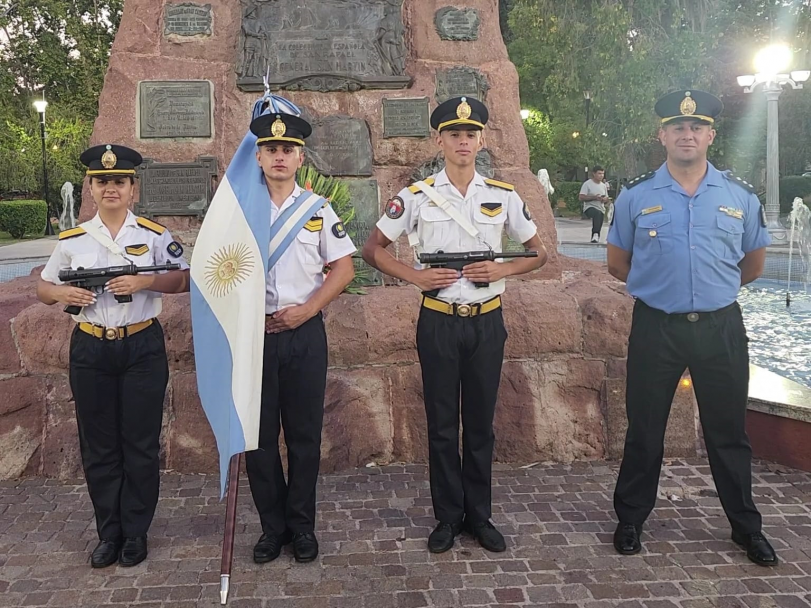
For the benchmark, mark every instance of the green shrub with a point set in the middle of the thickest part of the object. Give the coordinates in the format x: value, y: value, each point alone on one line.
x: 568, y: 192
x: 19, y: 218
x: 790, y: 188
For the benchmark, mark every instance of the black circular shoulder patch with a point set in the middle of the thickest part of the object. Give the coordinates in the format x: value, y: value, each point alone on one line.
x: 338, y: 230
x: 174, y: 249
x: 526, y: 212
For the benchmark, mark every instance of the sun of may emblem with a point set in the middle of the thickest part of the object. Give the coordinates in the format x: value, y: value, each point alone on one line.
x: 228, y: 268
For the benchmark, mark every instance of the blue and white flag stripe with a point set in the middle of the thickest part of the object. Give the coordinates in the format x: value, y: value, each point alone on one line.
x: 228, y: 269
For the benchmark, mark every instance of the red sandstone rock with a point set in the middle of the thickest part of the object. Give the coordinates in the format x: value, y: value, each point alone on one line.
x: 43, y: 335
x: 680, y: 437
x: 357, y: 419
x: 21, y: 423
x: 192, y: 447
x: 15, y: 297
x: 61, y: 457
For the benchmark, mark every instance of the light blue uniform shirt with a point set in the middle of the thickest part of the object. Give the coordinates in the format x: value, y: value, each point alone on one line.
x: 685, y: 250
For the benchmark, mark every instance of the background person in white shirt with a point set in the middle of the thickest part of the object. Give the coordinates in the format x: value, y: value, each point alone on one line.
x: 118, y: 366
x: 594, y: 196
x: 294, y: 376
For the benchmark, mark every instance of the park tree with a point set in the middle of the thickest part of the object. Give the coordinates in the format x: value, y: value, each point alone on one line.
x: 59, y: 48
x: 630, y: 52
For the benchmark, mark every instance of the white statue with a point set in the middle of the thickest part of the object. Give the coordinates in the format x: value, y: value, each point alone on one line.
x: 66, y: 219
x: 543, y: 177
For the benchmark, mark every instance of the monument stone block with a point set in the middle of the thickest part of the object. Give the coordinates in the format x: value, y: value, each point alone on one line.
x: 176, y: 188
x: 187, y: 19
x: 406, y: 117
x: 332, y: 45
x: 460, y: 81
x: 174, y: 109
x: 341, y: 145
x: 457, y: 24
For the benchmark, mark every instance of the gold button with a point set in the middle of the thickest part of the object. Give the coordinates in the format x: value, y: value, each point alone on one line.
x: 652, y: 233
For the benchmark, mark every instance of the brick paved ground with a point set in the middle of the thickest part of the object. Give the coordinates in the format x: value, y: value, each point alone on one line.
x: 373, y: 525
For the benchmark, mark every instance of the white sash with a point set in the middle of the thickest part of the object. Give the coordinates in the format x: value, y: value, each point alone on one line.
x: 103, y: 240
x: 443, y: 204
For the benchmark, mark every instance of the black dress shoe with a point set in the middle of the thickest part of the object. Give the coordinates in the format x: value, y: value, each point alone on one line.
x: 626, y: 539
x: 757, y: 548
x: 441, y: 539
x: 105, y: 554
x: 487, y: 535
x: 305, y: 547
x: 269, y: 547
x: 133, y: 551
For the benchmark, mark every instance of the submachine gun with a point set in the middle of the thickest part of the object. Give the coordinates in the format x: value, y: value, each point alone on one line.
x: 94, y: 279
x: 457, y: 261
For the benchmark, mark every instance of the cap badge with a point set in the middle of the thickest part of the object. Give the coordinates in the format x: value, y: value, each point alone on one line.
x: 278, y: 128
x: 109, y: 159
x: 688, y: 105
x: 463, y: 111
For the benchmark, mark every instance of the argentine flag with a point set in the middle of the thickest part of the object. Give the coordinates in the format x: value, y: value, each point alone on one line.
x: 228, y: 269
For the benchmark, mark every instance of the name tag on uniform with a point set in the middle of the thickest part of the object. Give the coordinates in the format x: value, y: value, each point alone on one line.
x: 650, y: 210
x: 314, y: 224
x: 732, y: 212
x: 136, y: 249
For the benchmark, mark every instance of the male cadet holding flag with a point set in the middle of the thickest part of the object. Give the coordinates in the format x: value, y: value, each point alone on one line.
x: 295, y: 357
x: 685, y: 238
x: 460, y: 332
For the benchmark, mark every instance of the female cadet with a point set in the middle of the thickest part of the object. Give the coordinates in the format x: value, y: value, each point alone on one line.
x: 118, y: 365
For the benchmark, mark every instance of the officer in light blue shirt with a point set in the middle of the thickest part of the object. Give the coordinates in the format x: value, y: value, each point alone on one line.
x: 685, y: 238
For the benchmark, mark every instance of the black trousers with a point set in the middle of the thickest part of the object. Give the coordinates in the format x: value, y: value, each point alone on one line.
x: 461, y: 360
x: 715, y: 349
x: 119, y: 387
x: 597, y: 217
x: 294, y: 382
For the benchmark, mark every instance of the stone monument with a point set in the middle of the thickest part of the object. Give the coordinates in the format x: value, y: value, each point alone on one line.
x: 367, y: 73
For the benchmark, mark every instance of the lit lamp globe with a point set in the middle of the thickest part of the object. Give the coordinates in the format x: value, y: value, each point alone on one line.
x: 773, y: 59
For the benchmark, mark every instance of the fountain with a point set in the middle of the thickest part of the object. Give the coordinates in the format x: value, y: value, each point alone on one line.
x: 801, y: 227
x: 67, y: 219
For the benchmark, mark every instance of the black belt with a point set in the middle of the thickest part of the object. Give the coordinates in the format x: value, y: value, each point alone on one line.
x: 692, y: 317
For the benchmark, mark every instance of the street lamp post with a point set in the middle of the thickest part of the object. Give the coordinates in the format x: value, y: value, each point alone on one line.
x: 771, y: 64
x: 40, y: 105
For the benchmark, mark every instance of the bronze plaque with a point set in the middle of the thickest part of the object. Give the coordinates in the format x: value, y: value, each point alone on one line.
x: 176, y: 188
x: 406, y: 117
x: 174, y: 109
x: 187, y: 19
x: 329, y: 45
x: 341, y: 145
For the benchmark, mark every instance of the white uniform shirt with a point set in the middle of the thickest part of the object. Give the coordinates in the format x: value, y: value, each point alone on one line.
x: 144, y: 247
x: 298, y: 273
x: 490, y: 209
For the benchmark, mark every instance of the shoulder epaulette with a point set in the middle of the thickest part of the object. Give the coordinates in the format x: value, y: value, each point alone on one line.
x: 70, y: 233
x: 741, y: 182
x: 638, y: 180
x: 150, y: 225
x: 497, y: 184
x: 428, y: 180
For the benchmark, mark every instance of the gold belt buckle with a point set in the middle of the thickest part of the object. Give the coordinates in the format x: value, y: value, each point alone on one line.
x: 463, y: 310
x: 111, y: 333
